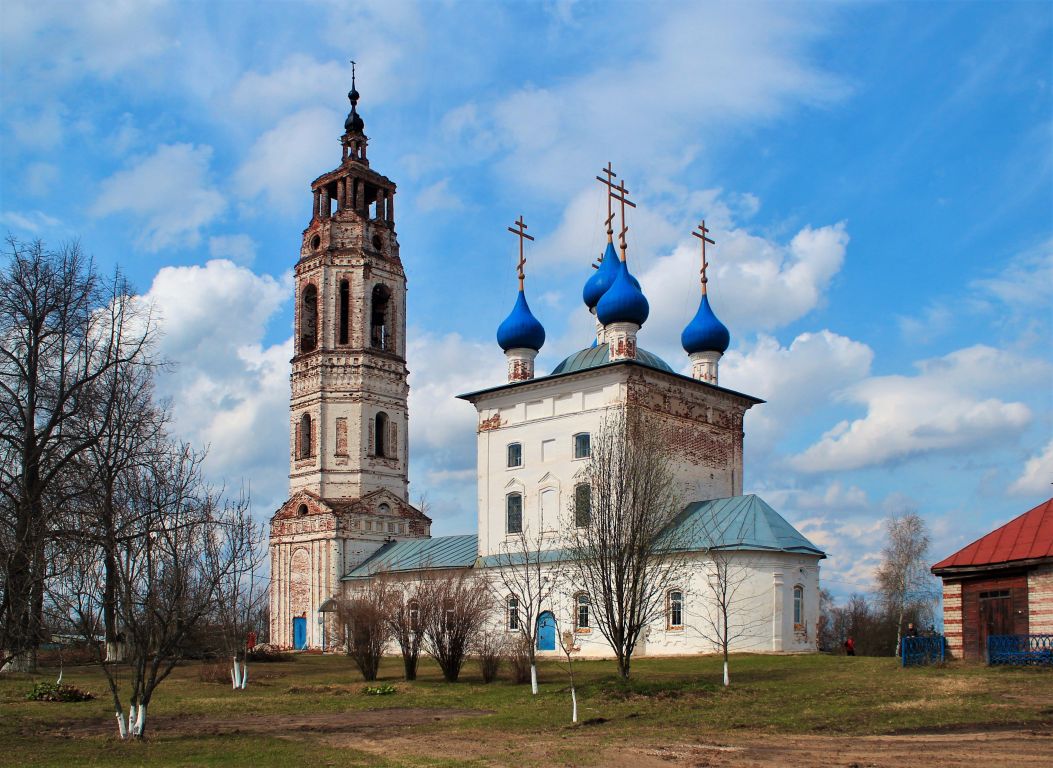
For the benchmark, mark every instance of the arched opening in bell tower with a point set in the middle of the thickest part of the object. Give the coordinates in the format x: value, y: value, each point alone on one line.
x: 305, y: 437
x: 345, y: 308
x: 309, y: 319
x: 380, y: 333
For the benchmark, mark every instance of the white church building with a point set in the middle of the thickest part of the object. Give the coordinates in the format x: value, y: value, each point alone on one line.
x: 348, y: 515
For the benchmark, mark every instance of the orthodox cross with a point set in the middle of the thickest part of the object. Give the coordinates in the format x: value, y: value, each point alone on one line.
x: 352, y: 72
x: 609, y: 182
x: 701, y: 233
x: 621, y: 194
x: 519, y: 230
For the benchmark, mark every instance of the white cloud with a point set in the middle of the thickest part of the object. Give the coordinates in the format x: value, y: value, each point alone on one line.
x: 746, y: 67
x: 284, y: 160
x: 1037, y: 477
x: 439, y: 197
x: 299, y: 81
x: 41, y: 178
x: 796, y: 380
x: 948, y: 405
x: 170, y: 191
x: 33, y: 222
x: 228, y: 390
x: 240, y: 249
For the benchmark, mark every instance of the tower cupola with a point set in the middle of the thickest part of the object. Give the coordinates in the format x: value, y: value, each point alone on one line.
x: 521, y: 335
x: 705, y: 339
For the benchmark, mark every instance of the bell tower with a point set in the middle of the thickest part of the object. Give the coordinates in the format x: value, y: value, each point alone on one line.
x: 348, y: 416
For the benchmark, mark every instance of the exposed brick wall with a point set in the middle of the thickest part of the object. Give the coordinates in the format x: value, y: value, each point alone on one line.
x: 1040, y: 599
x: 341, y: 436
x: 952, y: 618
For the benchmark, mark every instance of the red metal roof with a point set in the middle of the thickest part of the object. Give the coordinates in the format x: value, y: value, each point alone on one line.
x: 1027, y: 537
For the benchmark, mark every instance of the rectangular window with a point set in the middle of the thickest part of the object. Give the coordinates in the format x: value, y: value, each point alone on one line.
x: 515, y: 455
x: 583, y: 612
x: 798, y: 605
x: 514, y: 513
x: 582, y: 446
x: 513, y: 614
x: 345, y: 301
x: 676, y: 609
x: 582, y: 505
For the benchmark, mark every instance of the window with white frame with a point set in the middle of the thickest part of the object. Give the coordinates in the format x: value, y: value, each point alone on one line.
x: 798, y: 605
x: 414, y: 615
x: 513, y: 614
x: 582, y: 445
x: 676, y: 609
x: 514, y: 513
x: 515, y: 455
x: 581, y: 616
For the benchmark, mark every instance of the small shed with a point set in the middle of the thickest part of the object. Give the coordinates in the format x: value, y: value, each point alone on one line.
x: 1001, y: 584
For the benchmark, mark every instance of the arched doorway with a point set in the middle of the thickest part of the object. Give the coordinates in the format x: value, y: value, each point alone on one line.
x: 546, y: 632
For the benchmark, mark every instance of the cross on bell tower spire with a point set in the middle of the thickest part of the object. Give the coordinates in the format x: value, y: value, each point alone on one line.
x: 701, y: 233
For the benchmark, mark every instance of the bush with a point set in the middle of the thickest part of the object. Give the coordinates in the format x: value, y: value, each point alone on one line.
x: 57, y: 692
x: 214, y: 672
x: 379, y: 690
x: 519, y: 660
x: 268, y: 653
x: 490, y: 647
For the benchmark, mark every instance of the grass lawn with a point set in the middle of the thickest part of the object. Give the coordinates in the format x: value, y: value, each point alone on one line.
x: 312, y: 711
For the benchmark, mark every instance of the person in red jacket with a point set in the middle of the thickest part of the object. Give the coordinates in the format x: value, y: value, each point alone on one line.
x: 850, y: 647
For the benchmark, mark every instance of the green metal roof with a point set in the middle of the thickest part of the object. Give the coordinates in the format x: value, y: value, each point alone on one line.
x: 738, y: 523
x: 593, y: 357
x: 417, y: 554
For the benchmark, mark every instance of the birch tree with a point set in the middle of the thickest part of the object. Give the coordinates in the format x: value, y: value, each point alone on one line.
x: 627, y: 552
x: 904, y: 581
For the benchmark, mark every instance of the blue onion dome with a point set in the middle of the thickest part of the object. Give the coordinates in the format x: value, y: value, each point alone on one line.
x: 705, y: 333
x: 601, y: 279
x: 520, y: 330
x: 623, y: 302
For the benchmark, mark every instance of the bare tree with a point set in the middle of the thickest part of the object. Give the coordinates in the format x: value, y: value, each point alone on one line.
x: 241, y: 594
x: 62, y: 329
x: 365, y: 616
x: 406, y: 620
x: 460, y: 604
x: 526, y: 574
x: 729, y: 610
x: 904, y: 581
x: 626, y: 551
x: 568, y: 647
x: 181, y: 545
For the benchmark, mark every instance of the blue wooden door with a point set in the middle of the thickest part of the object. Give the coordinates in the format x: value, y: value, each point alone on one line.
x: 299, y: 632
x: 546, y: 632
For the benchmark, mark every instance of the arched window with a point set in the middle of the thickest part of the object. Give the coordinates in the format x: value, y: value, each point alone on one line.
x: 380, y: 435
x: 305, y: 436
x: 581, y: 617
x: 414, y: 615
x: 309, y: 318
x: 345, y: 308
x: 380, y: 334
x: 798, y: 605
x: 676, y: 609
x: 513, y: 614
x: 515, y: 454
x: 384, y: 509
x: 582, y: 446
x: 302, y: 510
x: 514, y: 513
x: 582, y: 504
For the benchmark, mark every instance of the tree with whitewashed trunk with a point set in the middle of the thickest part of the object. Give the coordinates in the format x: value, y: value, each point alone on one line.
x: 569, y: 648
x: 242, y: 592
x: 624, y: 547
x: 63, y: 329
x: 527, y: 572
x: 729, y: 609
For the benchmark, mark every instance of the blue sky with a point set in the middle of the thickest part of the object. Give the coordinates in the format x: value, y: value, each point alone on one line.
x: 878, y: 178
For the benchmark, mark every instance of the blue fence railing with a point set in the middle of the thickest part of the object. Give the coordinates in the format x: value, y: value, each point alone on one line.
x: 916, y: 651
x: 1020, y: 649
